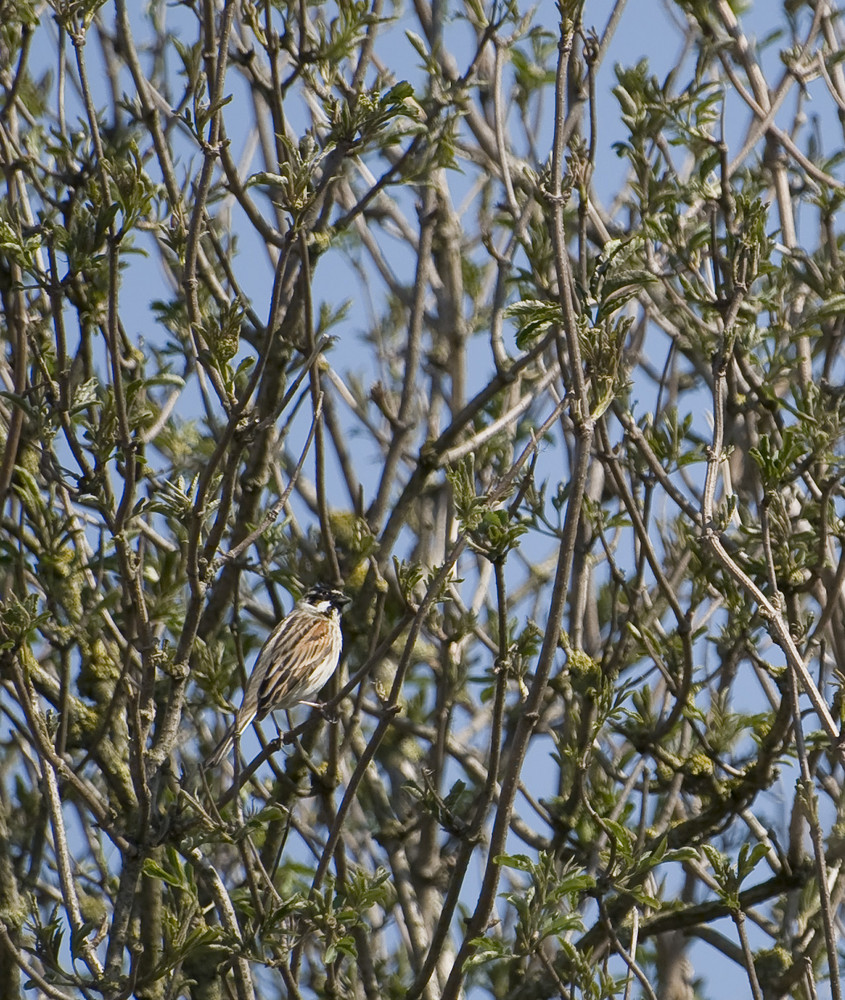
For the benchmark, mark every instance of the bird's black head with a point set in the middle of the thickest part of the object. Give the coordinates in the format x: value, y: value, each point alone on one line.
x: 323, y: 597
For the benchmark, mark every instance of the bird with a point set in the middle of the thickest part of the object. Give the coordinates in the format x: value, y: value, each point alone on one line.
x: 299, y: 656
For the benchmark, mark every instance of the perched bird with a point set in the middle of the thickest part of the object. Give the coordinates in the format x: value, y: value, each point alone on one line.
x: 299, y: 656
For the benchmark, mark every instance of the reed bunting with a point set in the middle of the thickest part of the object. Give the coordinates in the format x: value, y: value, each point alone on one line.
x: 299, y: 656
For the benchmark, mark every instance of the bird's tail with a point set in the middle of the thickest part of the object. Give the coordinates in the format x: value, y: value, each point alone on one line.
x: 222, y: 748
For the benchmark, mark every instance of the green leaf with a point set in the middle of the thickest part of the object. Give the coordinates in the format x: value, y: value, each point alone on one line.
x: 533, y: 317
x: 154, y: 870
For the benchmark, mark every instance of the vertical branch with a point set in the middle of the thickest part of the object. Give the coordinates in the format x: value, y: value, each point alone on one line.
x: 526, y: 723
x: 217, y: 891
x: 402, y: 425
x: 570, y: 11
x: 317, y: 407
x: 14, y: 312
x: 65, y: 870
x: 15, y: 316
x: 499, y: 114
x: 210, y: 153
x: 748, y: 956
x: 810, y: 802
x: 48, y: 765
